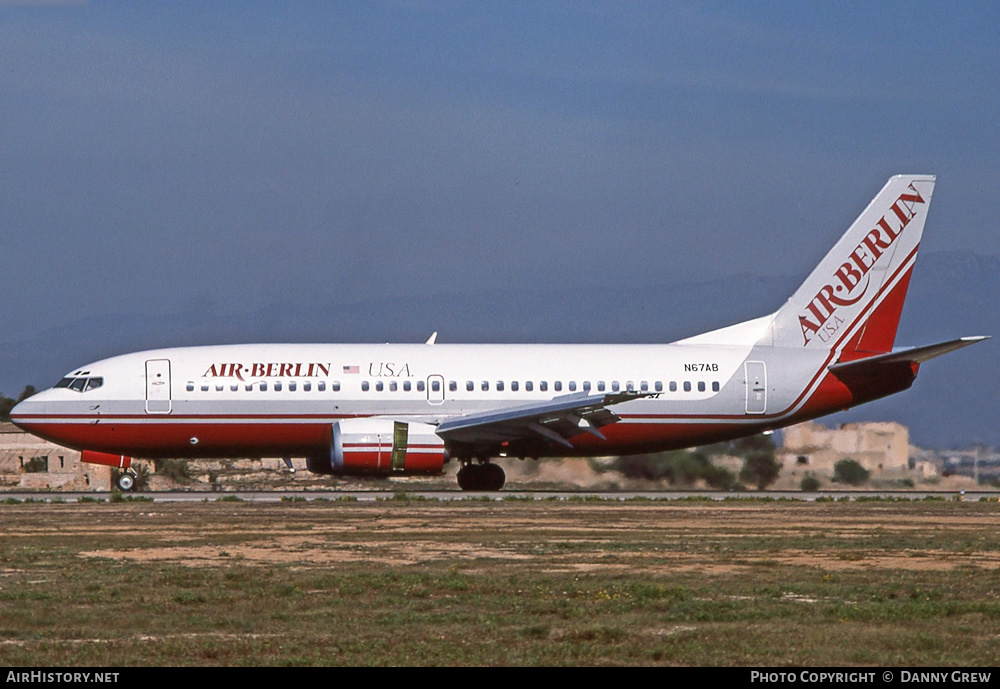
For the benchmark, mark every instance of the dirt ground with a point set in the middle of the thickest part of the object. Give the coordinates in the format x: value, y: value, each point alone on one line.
x: 409, y: 581
x: 401, y: 533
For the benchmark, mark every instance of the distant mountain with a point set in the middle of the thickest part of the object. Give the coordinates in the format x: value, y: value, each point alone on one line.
x: 955, y: 400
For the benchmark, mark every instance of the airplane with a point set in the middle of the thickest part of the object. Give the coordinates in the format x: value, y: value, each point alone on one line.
x: 406, y: 409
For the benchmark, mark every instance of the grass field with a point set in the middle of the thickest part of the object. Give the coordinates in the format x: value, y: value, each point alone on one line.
x: 403, y: 582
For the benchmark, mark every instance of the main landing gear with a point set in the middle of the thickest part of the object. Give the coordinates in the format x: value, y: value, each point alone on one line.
x: 482, y: 476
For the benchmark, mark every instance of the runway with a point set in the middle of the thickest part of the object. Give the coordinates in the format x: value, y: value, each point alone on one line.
x: 532, y: 495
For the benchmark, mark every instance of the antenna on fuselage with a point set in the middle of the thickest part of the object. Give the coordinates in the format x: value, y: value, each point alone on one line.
x: 433, y: 338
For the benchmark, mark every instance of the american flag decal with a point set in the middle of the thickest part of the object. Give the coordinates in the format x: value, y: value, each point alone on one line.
x: 350, y: 369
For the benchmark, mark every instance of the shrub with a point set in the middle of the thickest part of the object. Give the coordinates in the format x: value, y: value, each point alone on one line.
x: 679, y: 468
x: 175, y: 469
x: 850, y: 472
x: 36, y: 465
x: 760, y: 468
x: 759, y: 465
x: 809, y: 484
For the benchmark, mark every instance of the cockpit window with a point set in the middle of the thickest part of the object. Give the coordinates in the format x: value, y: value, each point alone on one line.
x: 80, y: 384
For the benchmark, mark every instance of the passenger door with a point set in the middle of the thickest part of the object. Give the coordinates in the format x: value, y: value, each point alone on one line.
x: 158, y: 400
x: 756, y: 374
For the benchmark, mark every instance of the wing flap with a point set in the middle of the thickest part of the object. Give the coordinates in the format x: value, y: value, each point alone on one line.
x: 556, y: 420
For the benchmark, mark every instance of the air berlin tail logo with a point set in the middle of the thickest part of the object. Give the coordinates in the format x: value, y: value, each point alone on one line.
x: 849, y: 283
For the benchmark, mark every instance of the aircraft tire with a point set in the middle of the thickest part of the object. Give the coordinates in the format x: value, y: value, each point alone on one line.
x: 125, y: 482
x: 494, y: 477
x: 468, y: 477
x: 486, y: 477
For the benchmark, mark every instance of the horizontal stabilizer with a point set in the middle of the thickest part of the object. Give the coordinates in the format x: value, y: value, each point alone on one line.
x: 916, y: 355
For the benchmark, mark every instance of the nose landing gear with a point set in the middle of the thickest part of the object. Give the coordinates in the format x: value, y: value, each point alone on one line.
x: 483, y: 476
x: 126, y: 480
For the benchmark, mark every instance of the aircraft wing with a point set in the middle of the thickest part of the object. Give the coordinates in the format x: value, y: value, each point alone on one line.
x: 918, y: 355
x: 556, y: 420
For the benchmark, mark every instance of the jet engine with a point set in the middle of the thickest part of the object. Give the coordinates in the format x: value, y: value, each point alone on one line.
x: 381, y: 446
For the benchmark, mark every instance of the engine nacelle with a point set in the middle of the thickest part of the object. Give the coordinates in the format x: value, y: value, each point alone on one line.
x: 118, y: 461
x: 382, y: 446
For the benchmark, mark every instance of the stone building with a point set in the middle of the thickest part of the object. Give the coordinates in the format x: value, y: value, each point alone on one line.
x: 881, y: 448
x: 30, y: 463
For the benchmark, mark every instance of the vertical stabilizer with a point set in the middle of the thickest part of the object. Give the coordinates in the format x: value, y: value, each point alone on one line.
x: 853, y: 299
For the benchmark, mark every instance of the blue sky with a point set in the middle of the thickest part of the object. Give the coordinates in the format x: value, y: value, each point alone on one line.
x: 224, y: 157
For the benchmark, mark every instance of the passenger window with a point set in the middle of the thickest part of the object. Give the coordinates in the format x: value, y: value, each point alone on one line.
x: 379, y: 386
x: 277, y: 386
x: 630, y: 386
x: 452, y: 385
x: 543, y: 386
x: 600, y: 386
x: 715, y: 386
x: 436, y: 386
x: 485, y: 386
x: 190, y: 387
x: 499, y: 386
x: 557, y: 386
x: 673, y: 386
x: 364, y: 386
x: 586, y: 386
x: 306, y: 386
x: 234, y: 388
x: 291, y: 386
x: 406, y: 386
x: 249, y: 387
x: 263, y: 386
x: 644, y: 386
x: 420, y: 386
x: 529, y: 386
x: 614, y: 386
x: 659, y: 386
x: 392, y: 386
x: 701, y: 386
x: 218, y: 388
x: 572, y: 386
x: 513, y: 386
x: 470, y: 386
x: 687, y: 386
x: 204, y: 387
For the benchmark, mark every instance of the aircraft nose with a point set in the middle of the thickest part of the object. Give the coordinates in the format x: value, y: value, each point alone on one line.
x: 17, y: 413
x: 23, y: 411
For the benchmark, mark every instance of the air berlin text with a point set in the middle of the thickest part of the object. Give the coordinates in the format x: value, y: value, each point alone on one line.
x: 821, y: 320
x: 269, y: 370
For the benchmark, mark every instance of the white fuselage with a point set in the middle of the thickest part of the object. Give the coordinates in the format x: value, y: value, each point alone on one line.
x: 268, y: 400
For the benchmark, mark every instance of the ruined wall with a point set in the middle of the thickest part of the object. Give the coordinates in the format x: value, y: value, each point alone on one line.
x: 61, y: 467
x: 882, y: 447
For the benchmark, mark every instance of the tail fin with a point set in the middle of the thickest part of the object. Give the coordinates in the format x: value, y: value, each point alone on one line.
x: 853, y: 299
